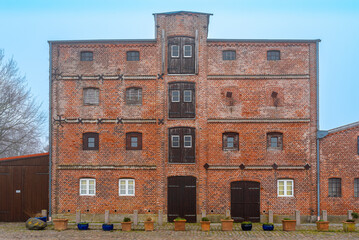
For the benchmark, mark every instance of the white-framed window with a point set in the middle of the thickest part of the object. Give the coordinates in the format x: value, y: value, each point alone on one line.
x: 175, y: 51
x: 175, y: 141
x: 285, y: 188
x: 175, y: 96
x: 187, y: 51
x: 87, y: 187
x: 187, y: 140
x: 126, y: 187
x: 187, y: 96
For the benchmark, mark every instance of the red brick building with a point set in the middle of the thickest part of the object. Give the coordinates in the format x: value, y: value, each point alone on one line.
x: 184, y: 124
x: 339, y: 170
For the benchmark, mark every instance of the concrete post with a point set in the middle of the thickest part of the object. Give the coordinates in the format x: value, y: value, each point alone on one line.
x: 107, y: 216
x: 78, y: 216
x: 160, y: 217
x: 297, y: 217
x: 350, y: 214
x: 324, y: 215
x: 204, y: 213
x: 228, y: 213
x: 270, y: 216
x: 135, y: 217
x: 44, y: 212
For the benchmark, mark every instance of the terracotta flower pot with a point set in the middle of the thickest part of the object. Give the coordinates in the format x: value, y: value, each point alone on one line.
x: 227, y: 225
x: 289, y: 225
x: 126, y: 226
x: 323, y: 226
x: 149, y: 225
x: 180, y: 225
x: 348, y: 226
x: 206, y: 225
x: 60, y: 224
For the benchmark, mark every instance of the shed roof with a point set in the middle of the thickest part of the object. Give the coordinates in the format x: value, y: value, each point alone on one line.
x: 344, y: 127
x: 181, y: 12
x: 24, y: 156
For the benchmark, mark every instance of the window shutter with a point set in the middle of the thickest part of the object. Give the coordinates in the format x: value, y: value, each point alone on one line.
x: 86, y: 136
x: 236, y: 141
x: 224, y: 141
x: 280, y: 141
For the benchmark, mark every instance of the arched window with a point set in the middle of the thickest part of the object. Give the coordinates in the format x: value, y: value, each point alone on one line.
x: 134, y: 96
x: 230, y: 141
x: 275, y: 140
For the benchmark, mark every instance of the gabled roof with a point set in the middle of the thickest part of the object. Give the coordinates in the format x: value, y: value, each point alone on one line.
x: 343, y: 128
x: 181, y: 12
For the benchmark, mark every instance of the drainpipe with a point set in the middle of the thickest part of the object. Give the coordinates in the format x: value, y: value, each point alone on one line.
x: 50, y: 129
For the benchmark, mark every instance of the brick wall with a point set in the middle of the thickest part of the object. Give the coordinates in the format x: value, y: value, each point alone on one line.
x: 293, y: 78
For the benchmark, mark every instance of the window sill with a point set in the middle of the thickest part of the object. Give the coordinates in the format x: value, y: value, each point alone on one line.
x: 182, y: 163
x: 184, y: 74
x: 181, y: 118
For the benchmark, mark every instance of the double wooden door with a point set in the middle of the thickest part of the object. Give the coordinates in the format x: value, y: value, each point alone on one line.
x: 23, y: 192
x: 245, y: 201
x: 181, y: 198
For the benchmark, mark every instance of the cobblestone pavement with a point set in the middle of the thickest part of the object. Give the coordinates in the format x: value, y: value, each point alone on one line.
x: 307, y: 231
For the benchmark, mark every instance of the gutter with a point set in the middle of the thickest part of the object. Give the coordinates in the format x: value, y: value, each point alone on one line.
x: 50, y: 129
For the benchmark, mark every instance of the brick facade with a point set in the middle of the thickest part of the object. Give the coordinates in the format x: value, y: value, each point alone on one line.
x: 250, y: 112
x: 339, y: 156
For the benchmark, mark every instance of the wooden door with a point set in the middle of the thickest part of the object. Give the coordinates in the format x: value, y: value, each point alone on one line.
x: 5, y: 193
x: 245, y: 201
x: 181, y: 198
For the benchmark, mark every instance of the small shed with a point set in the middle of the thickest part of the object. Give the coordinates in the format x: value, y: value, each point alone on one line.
x: 24, y: 186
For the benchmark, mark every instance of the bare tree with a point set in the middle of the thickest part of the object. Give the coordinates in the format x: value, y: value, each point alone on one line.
x: 21, y: 120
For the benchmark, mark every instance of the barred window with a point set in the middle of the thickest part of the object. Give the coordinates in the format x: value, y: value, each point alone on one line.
x: 134, y: 96
x: 335, y: 187
x: 133, y: 56
x: 356, y: 187
x: 91, y: 96
x: 86, y: 56
x: 273, y: 55
x: 229, y: 55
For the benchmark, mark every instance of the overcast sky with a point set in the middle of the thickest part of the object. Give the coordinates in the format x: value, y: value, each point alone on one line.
x: 26, y: 26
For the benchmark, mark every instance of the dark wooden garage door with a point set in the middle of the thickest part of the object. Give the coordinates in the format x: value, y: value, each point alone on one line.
x: 245, y: 201
x: 23, y: 192
x: 182, y: 198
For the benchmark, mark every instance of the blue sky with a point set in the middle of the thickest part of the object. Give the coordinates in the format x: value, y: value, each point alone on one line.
x: 26, y: 26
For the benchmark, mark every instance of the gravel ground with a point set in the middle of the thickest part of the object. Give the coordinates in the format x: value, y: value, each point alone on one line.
x: 305, y: 231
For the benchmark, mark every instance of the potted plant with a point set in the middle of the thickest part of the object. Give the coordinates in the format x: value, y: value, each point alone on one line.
x: 83, y: 226
x: 288, y: 224
x: 205, y: 224
x: 126, y: 224
x: 349, y: 225
x: 322, y: 225
x: 246, y: 226
x: 227, y: 224
x: 268, y: 226
x: 60, y: 224
x: 180, y: 224
x: 107, y: 226
x: 149, y: 224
